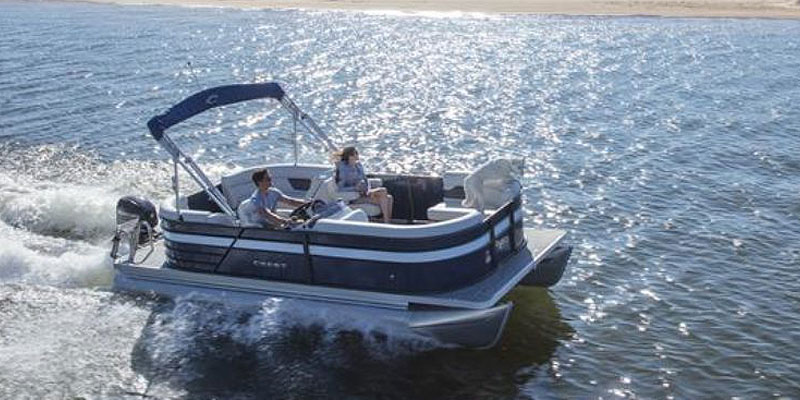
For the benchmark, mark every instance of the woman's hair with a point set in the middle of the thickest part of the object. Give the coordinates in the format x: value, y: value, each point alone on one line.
x: 344, y: 154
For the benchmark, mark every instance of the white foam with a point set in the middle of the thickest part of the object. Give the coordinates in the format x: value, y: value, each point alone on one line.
x: 277, y: 316
x: 31, y: 258
x: 57, y: 209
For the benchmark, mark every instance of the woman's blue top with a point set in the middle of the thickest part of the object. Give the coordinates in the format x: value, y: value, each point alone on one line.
x: 348, y: 177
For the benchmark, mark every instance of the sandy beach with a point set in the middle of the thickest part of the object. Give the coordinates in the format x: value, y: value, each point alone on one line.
x: 677, y: 8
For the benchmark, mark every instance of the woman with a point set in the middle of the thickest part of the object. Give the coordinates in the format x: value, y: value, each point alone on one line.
x: 350, y: 177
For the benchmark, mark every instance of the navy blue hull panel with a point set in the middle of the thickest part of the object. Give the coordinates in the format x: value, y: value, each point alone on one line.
x: 398, y: 277
x: 266, y: 265
x: 402, y: 277
x: 390, y: 271
x: 193, y: 257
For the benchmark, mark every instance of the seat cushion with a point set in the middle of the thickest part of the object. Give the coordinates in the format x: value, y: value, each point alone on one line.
x: 444, y: 211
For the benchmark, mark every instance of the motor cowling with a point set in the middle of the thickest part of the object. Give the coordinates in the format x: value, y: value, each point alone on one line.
x: 131, y: 208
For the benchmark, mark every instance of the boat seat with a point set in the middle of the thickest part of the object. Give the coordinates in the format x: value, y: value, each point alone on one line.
x: 328, y: 192
x: 238, y: 187
x: 470, y: 218
x: 444, y: 211
x: 245, y: 212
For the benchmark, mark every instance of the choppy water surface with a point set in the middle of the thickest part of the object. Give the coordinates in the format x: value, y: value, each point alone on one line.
x: 667, y: 147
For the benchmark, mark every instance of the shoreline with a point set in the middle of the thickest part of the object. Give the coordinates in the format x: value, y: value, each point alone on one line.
x: 774, y: 9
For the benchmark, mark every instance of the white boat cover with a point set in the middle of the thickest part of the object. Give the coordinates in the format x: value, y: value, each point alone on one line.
x: 493, y: 184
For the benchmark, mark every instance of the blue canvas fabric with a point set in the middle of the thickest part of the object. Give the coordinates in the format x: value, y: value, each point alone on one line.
x: 210, y: 98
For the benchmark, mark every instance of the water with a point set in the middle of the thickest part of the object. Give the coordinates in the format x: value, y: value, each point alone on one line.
x: 667, y: 148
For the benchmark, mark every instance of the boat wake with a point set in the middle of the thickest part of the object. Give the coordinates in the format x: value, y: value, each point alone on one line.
x: 53, y: 233
x: 194, y: 316
x: 57, y: 213
x: 213, y: 349
x: 35, y: 259
x: 65, y: 210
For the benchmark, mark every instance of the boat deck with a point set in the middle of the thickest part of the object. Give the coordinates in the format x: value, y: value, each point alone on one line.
x: 147, y: 274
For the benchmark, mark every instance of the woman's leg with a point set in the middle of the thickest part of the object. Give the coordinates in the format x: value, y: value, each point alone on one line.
x: 382, y: 198
x: 390, y: 207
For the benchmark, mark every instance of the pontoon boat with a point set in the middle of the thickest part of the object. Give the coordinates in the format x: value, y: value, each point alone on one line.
x: 440, y: 269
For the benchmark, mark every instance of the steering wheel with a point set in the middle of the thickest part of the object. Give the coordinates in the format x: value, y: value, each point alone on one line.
x: 303, y: 212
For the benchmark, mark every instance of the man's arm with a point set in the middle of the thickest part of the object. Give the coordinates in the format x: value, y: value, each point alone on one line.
x: 288, y: 200
x: 274, y: 219
x: 293, y: 201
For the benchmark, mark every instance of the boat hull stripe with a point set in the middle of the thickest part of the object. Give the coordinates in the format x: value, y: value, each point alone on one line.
x: 198, y: 239
x: 397, y: 257
x: 263, y: 245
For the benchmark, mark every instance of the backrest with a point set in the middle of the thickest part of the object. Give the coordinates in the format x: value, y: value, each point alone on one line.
x: 246, y: 212
x: 238, y: 187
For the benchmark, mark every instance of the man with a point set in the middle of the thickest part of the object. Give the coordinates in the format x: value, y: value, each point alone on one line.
x: 265, y: 199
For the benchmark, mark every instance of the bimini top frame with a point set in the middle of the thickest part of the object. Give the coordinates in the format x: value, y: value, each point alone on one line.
x: 217, y: 97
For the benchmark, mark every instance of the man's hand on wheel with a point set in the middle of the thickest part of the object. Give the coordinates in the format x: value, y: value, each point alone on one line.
x: 290, y: 223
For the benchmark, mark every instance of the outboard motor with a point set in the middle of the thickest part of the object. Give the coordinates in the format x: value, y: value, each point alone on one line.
x: 136, y: 220
x: 131, y: 208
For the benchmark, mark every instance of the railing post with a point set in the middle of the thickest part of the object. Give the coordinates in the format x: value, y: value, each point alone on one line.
x: 294, y: 120
x: 512, y: 230
x: 307, y: 252
x: 492, y: 243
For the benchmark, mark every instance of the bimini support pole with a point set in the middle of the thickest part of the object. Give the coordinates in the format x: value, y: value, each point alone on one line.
x: 196, y: 173
x: 294, y: 119
x: 308, y: 123
x: 176, y: 187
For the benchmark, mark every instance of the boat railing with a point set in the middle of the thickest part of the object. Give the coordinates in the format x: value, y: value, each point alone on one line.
x: 507, y: 211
